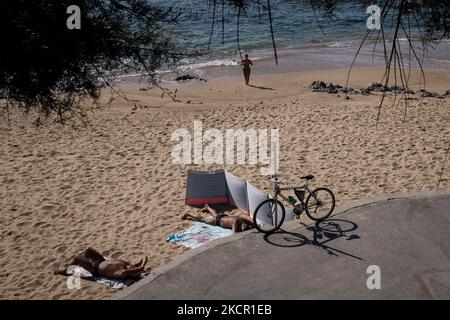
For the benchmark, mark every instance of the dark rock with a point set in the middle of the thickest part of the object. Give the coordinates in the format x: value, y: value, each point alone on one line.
x: 331, y: 88
x: 320, y: 86
x: 345, y: 90
x: 447, y: 93
x: 396, y: 88
x: 316, y: 85
x: 375, y: 86
x: 184, y: 77
x: 428, y: 94
x: 189, y: 77
x: 365, y: 91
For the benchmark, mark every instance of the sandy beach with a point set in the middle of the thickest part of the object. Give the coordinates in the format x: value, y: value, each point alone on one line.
x: 113, y: 186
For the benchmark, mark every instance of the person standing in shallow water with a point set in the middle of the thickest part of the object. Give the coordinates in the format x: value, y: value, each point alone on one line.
x: 246, y: 63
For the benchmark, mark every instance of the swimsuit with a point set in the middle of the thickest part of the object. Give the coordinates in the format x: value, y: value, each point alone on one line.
x: 219, y: 216
x: 96, y: 266
x: 246, y: 69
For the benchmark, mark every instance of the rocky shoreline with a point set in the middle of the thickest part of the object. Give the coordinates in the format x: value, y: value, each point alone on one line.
x: 375, y: 87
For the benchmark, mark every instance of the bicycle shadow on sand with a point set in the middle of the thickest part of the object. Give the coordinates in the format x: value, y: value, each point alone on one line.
x: 322, y: 233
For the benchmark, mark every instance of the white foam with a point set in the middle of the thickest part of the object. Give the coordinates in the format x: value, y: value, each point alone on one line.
x: 341, y: 44
x: 197, y: 65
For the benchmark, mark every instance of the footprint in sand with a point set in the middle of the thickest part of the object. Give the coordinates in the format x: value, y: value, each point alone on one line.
x: 23, y: 224
x: 47, y: 208
x: 48, y: 262
x: 39, y: 224
x: 90, y: 206
x: 117, y: 254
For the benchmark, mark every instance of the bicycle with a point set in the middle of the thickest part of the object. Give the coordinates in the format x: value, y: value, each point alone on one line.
x: 318, y: 199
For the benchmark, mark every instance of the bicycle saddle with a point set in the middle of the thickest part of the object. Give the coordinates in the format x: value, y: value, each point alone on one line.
x: 308, y: 177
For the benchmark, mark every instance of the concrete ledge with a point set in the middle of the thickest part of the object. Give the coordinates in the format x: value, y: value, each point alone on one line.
x: 288, y: 226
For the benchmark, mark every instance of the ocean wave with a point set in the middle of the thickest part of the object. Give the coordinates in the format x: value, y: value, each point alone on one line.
x: 341, y: 44
x: 189, y: 65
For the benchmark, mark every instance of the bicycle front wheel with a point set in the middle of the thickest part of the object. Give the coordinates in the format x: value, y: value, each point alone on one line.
x: 269, y: 216
x: 320, y: 204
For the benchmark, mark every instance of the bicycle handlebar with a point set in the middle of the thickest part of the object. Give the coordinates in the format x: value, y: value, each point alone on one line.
x: 274, y: 178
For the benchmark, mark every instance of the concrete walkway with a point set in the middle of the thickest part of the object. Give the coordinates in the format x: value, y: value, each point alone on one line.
x: 406, y: 236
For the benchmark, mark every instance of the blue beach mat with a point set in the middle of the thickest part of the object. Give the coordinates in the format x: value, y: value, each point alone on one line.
x: 199, y: 233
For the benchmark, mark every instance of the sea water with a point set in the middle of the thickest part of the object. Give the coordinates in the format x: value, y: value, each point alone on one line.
x: 306, y: 38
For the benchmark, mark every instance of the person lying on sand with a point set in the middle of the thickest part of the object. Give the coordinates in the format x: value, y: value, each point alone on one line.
x: 97, y: 265
x: 235, y: 223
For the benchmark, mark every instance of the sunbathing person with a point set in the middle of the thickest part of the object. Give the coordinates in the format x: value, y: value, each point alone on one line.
x: 97, y: 265
x: 235, y: 223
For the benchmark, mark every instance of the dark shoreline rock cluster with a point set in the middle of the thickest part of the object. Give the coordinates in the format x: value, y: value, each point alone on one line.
x: 321, y: 86
x: 189, y: 77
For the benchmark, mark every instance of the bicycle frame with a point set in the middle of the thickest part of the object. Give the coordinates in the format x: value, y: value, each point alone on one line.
x: 279, y: 190
x: 308, y: 197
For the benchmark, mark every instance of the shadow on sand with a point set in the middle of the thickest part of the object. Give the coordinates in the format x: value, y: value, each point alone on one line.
x: 262, y: 88
x: 321, y: 233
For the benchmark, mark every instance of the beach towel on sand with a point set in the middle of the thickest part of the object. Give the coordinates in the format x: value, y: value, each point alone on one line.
x: 84, y: 274
x: 199, y: 233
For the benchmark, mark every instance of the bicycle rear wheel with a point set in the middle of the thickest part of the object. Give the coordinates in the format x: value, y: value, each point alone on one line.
x: 269, y: 216
x: 320, y: 204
